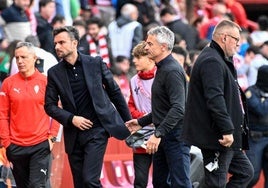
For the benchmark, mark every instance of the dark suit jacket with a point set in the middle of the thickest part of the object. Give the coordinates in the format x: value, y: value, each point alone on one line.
x: 108, y: 101
x: 213, y: 106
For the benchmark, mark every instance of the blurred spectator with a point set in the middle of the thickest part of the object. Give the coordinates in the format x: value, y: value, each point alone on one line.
x: 106, y: 9
x: 242, y: 78
x: 86, y: 13
x: 58, y: 21
x: 3, y: 43
x: 260, y: 35
x: 193, y: 54
x: 44, y: 28
x: 264, y: 49
x: 127, y: 28
x: 202, y: 44
x: 5, y: 60
x: 80, y: 25
x: 170, y: 18
x: 202, y: 8
x: 148, y: 27
x: 180, y: 41
x: 147, y: 13
x: 218, y: 13
x: 95, y: 42
x: 15, y: 22
x: 253, y: 60
x: 31, y: 15
x: 245, y: 42
x: 257, y: 100
x: 181, y: 55
x: 120, y: 70
x: 237, y: 9
x: 63, y: 7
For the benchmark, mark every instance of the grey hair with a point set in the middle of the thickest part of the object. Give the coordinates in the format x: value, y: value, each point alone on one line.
x: 28, y: 45
x: 163, y: 35
x: 128, y: 9
x: 225, y: 24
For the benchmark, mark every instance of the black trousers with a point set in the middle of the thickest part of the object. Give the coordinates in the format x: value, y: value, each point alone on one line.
x: 30, y: 164
x: 87, y: 157
x: 235, y: 163
x: 142, y: 164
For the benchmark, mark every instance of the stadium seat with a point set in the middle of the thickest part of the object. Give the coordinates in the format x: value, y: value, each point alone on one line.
x: 130, y: 171
x: 120, y: 174
x: 105, y: 179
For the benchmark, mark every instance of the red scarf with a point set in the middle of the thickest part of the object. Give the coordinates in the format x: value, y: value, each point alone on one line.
x: 100, y: 50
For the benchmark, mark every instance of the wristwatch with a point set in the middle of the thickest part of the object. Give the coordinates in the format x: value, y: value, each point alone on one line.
x: 157, y: 134
x: 53, y: 139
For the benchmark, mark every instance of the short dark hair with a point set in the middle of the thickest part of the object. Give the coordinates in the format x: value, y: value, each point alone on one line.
x: 254, y: 49
x: 95, y: 20
x: 57, y: 18
x: 180, y: 50
x: 43, y: 3
x: 71, y: 30
x: 168, y: 10
x: 120, y: 58
x: 79, y: 22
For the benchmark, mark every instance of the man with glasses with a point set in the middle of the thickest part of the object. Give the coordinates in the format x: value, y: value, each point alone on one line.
x: 26, y: 130
x: 93, y: 107
x: 216, y: 116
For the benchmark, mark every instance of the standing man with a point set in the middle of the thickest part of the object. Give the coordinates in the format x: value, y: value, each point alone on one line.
x: 93, y: 107
x: 25, y: 129
x: 47, y: 9
x: 215, y: 118
x: 171, y: 161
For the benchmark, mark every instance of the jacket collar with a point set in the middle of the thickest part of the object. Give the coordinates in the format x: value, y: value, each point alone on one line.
x: 228, y: 61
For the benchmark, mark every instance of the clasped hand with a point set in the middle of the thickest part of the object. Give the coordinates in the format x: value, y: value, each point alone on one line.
x: 152, y: 143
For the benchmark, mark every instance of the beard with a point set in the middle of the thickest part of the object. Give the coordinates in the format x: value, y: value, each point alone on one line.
x: 63, y: 55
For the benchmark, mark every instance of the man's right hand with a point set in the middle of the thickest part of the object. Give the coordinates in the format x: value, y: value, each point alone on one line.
x: 227, y: 140
x: 133, y: 125
x: 82, y: 123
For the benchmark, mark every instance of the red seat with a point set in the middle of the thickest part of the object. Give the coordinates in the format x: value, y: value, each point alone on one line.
x: 120, y: 174
x: 105, y: 179
x: 130, y: 171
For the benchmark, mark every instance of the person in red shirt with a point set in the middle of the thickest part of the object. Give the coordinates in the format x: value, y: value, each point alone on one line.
x: 26, y: 131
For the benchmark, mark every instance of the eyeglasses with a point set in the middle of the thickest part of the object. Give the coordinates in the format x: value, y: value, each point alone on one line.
x: 235, y: 38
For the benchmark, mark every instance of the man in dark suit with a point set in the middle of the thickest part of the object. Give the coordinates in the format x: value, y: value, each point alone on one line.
x: 215, y: 117
x: 93, y: 107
